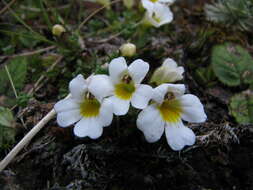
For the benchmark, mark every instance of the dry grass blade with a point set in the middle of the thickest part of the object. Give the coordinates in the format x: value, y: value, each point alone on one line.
x: 7, y: 7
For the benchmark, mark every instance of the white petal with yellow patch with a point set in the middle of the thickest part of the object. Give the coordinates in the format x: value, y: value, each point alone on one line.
x: 160, y: 15
x: 149, y: 4
x: 126, y: 83
x: 86, y: 107
x: 166, y: 113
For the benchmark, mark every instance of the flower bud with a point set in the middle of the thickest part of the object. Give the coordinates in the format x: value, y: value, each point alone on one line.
x: 128, y: 50
x: 58, y: 29
x: 167, y: 73
x: 128, y: 3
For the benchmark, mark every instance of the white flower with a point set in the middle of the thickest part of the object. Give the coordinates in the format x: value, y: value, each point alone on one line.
x: 166, y: 113
x: 149, y: 4
x: 159, y: 15
x: 167, y: 73
x: 126, y: 85
x: 87, y: 106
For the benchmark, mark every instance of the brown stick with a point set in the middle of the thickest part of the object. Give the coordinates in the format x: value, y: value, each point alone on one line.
x: 7, y: 7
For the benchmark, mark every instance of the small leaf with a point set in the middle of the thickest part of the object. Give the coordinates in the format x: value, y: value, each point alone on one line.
x: 7, y: 131
x: 205, y: 76
x: 241, y: 107
x: 6, y: 117
x: 232, y: 64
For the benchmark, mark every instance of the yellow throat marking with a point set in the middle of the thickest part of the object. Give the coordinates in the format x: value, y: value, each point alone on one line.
x: 170, y: 110
x: 90, y: 106
x: 156, y: 18
x: 125, y: 89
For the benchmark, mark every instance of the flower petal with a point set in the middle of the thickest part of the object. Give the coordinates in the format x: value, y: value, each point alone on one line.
x: 100, y: 86
x: 167, y: 1
x: 150, y: 123
x: 193, y: 110
x: 147, y: 4
x: 142, y: 96
x: 160, y: 91
x: 160, y: 15
x: 120, y: 107
x: 106, y: 112
x: 77, y: 87
x: 170, y: 63
x: 179, y: 136
x: 67, y: 118
x: 116, y: 67
x: 65, y: 105
x: 88, y: 127
x: 172, y: 67
x: 138, y: 70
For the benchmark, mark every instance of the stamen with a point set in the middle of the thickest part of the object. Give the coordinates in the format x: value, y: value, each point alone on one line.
x: 169, y: 96
x: 127, y: 79
x: 90, y: 96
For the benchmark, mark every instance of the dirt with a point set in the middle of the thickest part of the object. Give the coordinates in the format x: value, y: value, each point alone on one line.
x: 129, y: 162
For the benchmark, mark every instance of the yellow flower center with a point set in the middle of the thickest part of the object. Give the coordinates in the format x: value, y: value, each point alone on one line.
x: 170, y: 109
x: 125, y: 89
x: 156, y: 18
x: 154, y: 1
x: 90, y: 106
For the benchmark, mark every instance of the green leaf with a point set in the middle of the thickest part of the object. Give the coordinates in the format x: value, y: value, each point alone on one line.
x: 29, y: 39
x: 232, y: 64
x: 232, y: 13
x: 7, y: 131
x: 18, y: 69
x: 6, y: 117
x: 205, y: 76
x: 241, y: 107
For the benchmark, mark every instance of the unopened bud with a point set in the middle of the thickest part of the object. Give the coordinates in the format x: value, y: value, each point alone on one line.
x: 58, y: 30
x: 128, y: 3
x: 128, y: 50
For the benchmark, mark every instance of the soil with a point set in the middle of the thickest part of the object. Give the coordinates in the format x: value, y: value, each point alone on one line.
x: 124, y: 162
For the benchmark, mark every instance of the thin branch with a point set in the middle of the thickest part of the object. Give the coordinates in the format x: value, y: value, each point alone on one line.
x: 7, y: 7
x: 27, y: 139
x: 42, y: 77
x: 29, y: 53
x: 95, y: 12
x: 37, y: 84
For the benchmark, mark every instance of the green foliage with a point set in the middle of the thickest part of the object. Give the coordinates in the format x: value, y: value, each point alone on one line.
x: 23, y: 99
x: 241, y: 107
x: 232, y: 64
x: 205, y: 76
x: 17, y: 68
x: 7, y: 131
x: 232, y: 13
x: 28, y: 39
